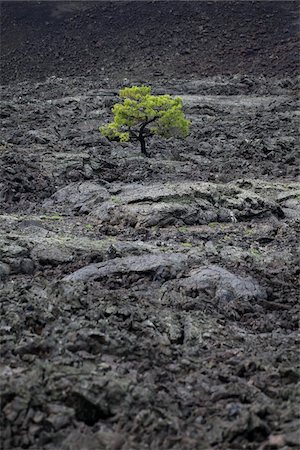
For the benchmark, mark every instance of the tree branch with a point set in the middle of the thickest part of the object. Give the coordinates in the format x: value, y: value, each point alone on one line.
x: 145, y: 124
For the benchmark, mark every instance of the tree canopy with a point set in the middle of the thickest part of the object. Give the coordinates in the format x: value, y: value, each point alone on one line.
x: 141, y: 115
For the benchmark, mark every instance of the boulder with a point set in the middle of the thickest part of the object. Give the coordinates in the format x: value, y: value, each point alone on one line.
x: 221, y: 285
x: 4, y: 270
x: 53, y: 255
x: 187, y: 203
x: 157, y: 266
x: 211, y: 288
x: 79, y: 196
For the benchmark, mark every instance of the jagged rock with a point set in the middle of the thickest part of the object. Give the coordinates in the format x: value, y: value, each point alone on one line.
x: 103, y: 440
x: 145, y: 347
x: 23, y: 179
x: 51, y: 254
x: 223, y: 285
x: 183, y: 204
x: 159, y: 267
x: 4, y: 270
x: 40, y: 137
x: 81, y: 197
x: 59, y: 416
x: 22, y: 265
x: 15, y: 258
x: 8, y: 250
x: 212, y: 285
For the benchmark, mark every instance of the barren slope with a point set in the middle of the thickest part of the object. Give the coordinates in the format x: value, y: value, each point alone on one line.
x: 146, y: 40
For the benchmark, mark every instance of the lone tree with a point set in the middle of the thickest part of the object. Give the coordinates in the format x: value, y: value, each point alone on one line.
x: 141, y: 115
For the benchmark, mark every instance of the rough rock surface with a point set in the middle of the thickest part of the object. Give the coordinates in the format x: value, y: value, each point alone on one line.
x: 183, y: 204
x: 149, y: 303
x: 157, y: 266
x: 215, y: 287
x: 82, y: 197
x: 226, y: 286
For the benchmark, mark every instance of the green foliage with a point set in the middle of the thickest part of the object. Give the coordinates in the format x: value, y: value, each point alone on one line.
x: 255, y: 253
x: 183, y: 229
x: 115, y: 199
x: 141, y: 115
x: 186, y: 244
x: 52, y: 217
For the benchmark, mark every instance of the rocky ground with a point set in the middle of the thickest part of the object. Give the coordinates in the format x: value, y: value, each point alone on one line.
x: 149, y: 303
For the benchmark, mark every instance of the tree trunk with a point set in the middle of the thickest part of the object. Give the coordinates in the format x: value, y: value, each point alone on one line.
x: 141, y: 136
x: 143, y: 145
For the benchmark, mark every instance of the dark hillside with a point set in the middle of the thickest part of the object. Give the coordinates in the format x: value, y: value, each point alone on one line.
x: 148, y: 39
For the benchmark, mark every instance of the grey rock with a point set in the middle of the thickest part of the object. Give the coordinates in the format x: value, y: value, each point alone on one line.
x: 80, y: 196
x: 13, y: 409
x: 60, y: 164
x: 109, y: 440
x: 11, y: 250
x: 213, y: 287
x: 60, y: 416
x: 53, y: 255
x: 187, y: 203
x: 88, y: 171
x: 293, y: 438
x: 26, y: 266
x: 222, y: 285
x: 77, y: 440
x: 40, y: 137
x: 36, y: 231
x: 291, y: 213
x: 4, y: 270
x: 160, y: 266
x: 90, y: 361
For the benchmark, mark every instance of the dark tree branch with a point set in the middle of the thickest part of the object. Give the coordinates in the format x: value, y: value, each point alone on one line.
x: 142, y: 134
x: 147, y: 123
